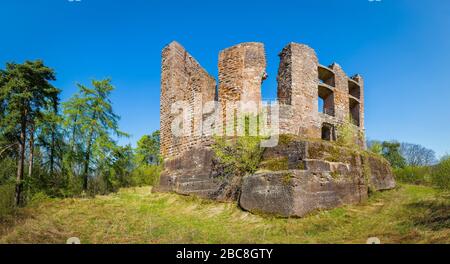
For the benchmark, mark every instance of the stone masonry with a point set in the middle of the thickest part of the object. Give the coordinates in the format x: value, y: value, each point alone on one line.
x: 302, y: 80
x: 182, y: 78
x: 242, y: 69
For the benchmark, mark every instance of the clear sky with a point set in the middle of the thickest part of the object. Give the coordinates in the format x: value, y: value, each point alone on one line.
x: 401, y: 47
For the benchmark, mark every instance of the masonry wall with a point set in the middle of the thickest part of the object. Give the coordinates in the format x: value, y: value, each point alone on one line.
x: 242, y: 69
x: 298, y: 93
x: 360, y: 80
x: 182, y: 80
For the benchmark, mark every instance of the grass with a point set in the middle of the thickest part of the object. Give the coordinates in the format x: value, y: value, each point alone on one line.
x: 408, y: 214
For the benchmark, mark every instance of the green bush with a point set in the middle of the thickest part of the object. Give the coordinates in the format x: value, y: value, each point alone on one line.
x: 38, y: 198
x: 348, y: 135
x: 8, y: 170
x: 146, y: 175
x: 238, y: 156
x: 6, y: 199
x: 413, y: 175
x: 441, y: 174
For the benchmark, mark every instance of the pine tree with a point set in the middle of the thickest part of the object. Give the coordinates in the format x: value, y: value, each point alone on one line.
x: 25, y: 92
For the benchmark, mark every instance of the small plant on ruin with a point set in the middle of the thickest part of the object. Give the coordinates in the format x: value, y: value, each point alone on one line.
x: 347, y: 134
x: 239, y: 155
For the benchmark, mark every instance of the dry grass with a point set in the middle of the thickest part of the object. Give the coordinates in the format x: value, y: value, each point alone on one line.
x: 409, y: 214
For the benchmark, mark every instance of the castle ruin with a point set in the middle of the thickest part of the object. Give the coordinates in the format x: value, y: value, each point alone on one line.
x: 313, y: 101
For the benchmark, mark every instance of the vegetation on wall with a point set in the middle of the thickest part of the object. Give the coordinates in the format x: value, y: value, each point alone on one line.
x: 240, y: 155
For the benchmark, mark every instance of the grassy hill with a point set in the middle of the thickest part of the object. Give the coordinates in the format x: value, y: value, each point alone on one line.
x: 408, y: 214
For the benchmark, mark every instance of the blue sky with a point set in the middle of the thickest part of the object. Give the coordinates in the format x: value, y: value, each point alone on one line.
x: 401, y: 47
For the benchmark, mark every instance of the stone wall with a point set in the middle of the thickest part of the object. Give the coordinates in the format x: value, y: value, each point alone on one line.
x: 242, y: 68
x: 297, y: 91
x: 300, y: 86
x: 183, y: 80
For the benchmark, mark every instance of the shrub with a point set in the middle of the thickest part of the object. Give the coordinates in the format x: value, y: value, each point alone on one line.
x: 441, y: 174
x: 146, y: 175
x: 239, y: 156
x: 8, y: 170
x: 38, y: 198
x: 6, y: 199
x: 347, y: 134
x: 375, y: 147
x: 391, y: 152
x: 413, y: 175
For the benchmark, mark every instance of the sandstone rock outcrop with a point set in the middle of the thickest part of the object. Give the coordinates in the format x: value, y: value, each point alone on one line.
x: 301, y: 176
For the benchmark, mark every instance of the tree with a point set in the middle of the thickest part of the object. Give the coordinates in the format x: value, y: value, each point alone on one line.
x: 391, y: 151
x: 147, y: 151
x: 118, y: 168
x: 417, y: 155
x: 25, y: 91
x: 52, y: 146
x: 92, y: 122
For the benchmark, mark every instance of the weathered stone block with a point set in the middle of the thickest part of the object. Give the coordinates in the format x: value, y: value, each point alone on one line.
x: 321, y: 184
x: 296, y: 193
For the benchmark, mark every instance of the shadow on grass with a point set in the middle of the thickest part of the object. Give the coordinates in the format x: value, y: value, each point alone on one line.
x: 433, y: 215
x: 8, y: 222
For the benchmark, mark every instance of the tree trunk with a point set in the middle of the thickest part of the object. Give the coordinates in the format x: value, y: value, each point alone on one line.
x: 88, y: 154
x: 54, y: 130
x: 86, y: 161
x: 52, y: 152
x: 20, y: 164
x: 72, y: 140
x: 31, y: 158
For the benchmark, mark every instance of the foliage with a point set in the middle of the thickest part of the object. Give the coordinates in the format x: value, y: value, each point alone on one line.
x: 242, y: 154
x: 441, y: 174
x: 375, y: 147
x: 413, y: 174
x: 148, y: 162
x: 347, y: 134
x: 147, y: 151
x: 146, y: 175
x: 91, y: 123
x: 275, y: 164
x: 6, y: 199
x: 70, y: 150
x: 7, y: 170
x: 25, y: 93
x: 391, y: 151
x: 239, y: 156
x: 113, y: 171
